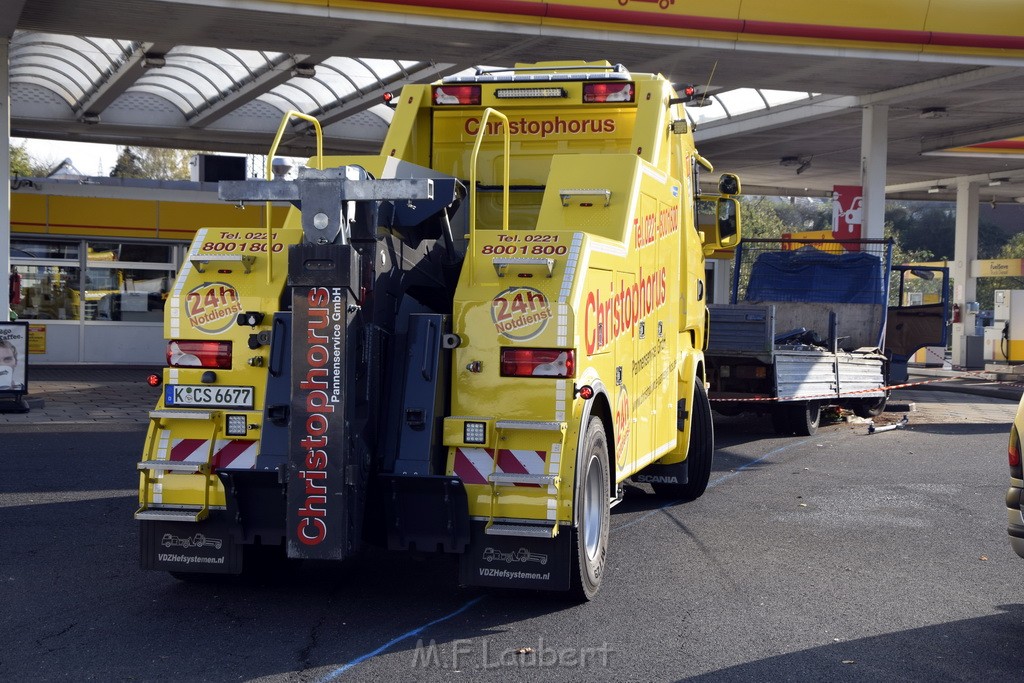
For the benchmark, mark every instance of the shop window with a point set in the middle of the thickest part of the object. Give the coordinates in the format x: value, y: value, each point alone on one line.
x: 130, y: 252
x: 44, y: 250
x: 126, y: 294
x: 122, y: 281
x: 43, y: 291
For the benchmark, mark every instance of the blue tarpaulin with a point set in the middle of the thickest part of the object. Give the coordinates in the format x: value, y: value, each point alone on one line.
x: 809, y: 274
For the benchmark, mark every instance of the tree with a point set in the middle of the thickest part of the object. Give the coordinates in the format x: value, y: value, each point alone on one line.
x: 25, y: 165
x: 152, y: 162
x: 128, y: 165
x: 929, y: 229
x: 802, y: 214
x: 759, y: 218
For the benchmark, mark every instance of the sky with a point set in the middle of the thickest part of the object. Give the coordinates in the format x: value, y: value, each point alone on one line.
x: 92, y: 159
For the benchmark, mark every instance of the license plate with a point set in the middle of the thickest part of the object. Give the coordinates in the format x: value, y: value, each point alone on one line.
x: 207, y: 396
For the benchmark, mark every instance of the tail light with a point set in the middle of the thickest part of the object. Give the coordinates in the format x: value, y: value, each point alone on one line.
x: 1013, y: 453
x: 517, y: 362
x: 456, y: 94
x: 199, y: 354
x: 608, y: 92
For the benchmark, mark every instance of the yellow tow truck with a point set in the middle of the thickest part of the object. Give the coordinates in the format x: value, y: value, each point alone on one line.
x: 467, y: 343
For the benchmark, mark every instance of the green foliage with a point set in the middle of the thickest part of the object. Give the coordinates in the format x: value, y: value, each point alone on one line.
x: 759, y: 218
x: 803, y: 215
x: 25, y: 165
x: 929, y: 229
x: 128, y: 165
x: 153, y: 163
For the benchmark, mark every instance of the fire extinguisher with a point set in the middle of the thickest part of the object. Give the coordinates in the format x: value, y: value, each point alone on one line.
x: 15, y: 287
x: 956, y: 313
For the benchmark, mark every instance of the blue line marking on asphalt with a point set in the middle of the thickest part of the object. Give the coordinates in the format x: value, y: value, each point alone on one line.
x: 714, y: 483
x: 416, y: 631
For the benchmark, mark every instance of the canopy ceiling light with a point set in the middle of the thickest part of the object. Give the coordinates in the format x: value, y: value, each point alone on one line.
x: 801, y: 163
x: 997, y: 181
x: 304, y: 71
x: 152, y: 60
x: 934, y: 113
x: 935, y: 189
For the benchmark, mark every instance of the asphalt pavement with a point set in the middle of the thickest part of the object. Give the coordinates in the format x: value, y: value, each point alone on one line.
x: 84, y: 394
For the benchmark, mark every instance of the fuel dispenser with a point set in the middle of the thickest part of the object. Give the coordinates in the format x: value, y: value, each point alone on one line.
x: 1004, y: 340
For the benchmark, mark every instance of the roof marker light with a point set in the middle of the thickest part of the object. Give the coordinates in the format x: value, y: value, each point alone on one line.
x: 528, y: 93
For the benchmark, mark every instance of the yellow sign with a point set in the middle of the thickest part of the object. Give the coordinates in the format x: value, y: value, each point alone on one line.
x: 822, y: 240
x: 1002, y: 267
x: 37, y: 338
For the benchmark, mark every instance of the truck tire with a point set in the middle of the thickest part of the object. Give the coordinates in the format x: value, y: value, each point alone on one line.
x: 869, y: 407
x: 590, y: 536
x: 699, y: 455
x: 801, y: 419
x: 806, y: 417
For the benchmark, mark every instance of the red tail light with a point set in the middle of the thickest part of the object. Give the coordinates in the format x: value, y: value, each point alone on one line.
x: 608, y: 92
x: 1013, y: 453
x: 538, y: 362
x: 199, y: 354
x: 154, y: 380
x: 456, y: 94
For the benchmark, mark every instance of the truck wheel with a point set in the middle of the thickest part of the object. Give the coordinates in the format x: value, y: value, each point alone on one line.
x: 699, y: 455
x: 870, y: 407
x: 797, y: 418
x: 590, y: 537
x: 806, y: 417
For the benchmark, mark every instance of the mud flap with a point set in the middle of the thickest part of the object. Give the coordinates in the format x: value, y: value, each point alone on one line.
x: 676, y: 473
x: 426, y: 513
x: 516, y: 561
x: 208, y: 547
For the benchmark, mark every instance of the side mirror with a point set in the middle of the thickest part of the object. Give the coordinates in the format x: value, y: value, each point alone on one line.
x: 726, y: 232
x: 728, y: 184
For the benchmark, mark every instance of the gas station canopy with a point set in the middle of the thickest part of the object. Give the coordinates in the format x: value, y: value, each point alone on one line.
x: 787, y: 83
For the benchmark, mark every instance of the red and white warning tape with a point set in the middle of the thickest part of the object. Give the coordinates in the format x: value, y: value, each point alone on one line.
x: 851, y: 393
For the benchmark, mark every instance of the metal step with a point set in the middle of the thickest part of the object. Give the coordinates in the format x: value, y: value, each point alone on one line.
x: 533, y: 425
x: 523, y: 530
x: 200, y: 261
x: 174, y: 466
x: 509, y: 478
x: 171, y: 515
x: 180, y: 414
x: 568, y: 195
x: 500, y: 264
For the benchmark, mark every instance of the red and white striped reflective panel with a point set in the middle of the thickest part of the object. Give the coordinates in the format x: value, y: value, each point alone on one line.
x: 473, y: 465
x: 231, y: 453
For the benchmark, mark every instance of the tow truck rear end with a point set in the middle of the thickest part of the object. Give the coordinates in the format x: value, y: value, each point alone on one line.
x: 467, y: 343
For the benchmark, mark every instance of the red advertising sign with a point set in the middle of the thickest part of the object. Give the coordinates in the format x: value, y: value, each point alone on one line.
x: 847, y: 212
